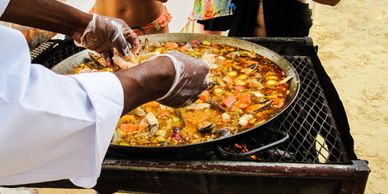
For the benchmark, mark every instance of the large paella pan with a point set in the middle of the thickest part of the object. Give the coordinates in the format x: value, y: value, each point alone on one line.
x: 249, y: 86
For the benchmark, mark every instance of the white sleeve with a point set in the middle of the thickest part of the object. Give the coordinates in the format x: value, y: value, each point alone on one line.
x: 3, y: 6
x: 52, y: 126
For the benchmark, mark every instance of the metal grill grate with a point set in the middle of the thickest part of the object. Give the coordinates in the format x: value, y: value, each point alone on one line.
x: 63, y: 51
x: 314, y: 137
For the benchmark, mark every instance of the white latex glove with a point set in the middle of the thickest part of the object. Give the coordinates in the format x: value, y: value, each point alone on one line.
x: 190, y: 80
x: 105, y: 33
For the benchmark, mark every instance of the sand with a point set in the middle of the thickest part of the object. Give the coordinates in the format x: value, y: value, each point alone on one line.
x: 353, y: 47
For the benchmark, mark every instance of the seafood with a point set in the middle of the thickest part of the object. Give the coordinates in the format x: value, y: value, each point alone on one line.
x: 245, y: 90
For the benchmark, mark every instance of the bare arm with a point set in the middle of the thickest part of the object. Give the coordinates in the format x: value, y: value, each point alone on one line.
x: 146, y: 82
x: 48, y: 15
x: 328, y: 2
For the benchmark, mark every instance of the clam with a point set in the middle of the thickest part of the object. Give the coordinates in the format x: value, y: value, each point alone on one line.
x: 233, y: 54
x: 243, y: 121
x: 153, y: 123
x: 259, y: 77
x: 139, y: 112
x: 222, y: 132
x: 225, y: 117
x: 247, y: 54
x: 205, y: 127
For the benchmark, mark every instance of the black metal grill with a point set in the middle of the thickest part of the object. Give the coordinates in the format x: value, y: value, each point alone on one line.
x: 317, y: 158
x: 314, y: 136
x: 52, y: 52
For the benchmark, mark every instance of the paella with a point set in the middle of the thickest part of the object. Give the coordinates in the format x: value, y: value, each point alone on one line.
x: 245, y: 89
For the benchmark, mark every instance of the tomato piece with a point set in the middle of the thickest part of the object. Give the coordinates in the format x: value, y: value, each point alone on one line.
x: 204, y: 96
x: 129, y: 128
x: 229, y: 101
x: 237, y: 90
x: 245, y: 99
x: 227, y: 64
x: 194, y: 42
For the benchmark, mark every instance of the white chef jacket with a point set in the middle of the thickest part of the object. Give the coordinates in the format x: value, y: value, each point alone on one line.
x: 52, y: 126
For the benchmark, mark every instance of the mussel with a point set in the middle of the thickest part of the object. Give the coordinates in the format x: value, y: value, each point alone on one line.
x: 216, y: 106
x: 210, y: 85
x: 179, y: 113
x: 95, y: 58
x: 253, y: 66
x: 176, y: 129
x: 205, y: 127
x: 259, y: 107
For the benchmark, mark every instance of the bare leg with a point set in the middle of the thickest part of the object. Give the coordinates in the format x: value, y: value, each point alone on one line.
x: 260, y: 23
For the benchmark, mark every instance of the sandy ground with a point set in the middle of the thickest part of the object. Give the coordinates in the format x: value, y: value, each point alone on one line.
x: 353, y: 47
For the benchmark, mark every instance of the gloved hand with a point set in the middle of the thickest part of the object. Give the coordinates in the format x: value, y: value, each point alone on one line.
x: 173, y: 79
x: 190, y: 80
x: 105, y: 33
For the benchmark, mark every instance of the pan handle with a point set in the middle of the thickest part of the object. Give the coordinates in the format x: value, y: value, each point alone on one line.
x: 257, y: 150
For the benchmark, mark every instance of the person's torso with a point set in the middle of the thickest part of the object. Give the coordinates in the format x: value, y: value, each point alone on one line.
x: 134, y: 12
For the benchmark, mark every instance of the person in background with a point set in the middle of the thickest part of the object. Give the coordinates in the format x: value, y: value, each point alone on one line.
x: 214, y: 16
x: 272, y: 18
x: 143, y: 16
x: 59, y: 127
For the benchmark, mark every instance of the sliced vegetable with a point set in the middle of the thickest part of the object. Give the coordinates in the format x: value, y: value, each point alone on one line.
x: 204, y: 96
x: 129, y: 128
x: 194, y: 42
x: 227, y: 79
x: 229, y: 101
x: 205, y: 42
x: 171, y: 45
x: 245, y: 98
x: 232, y: 74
